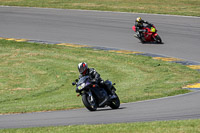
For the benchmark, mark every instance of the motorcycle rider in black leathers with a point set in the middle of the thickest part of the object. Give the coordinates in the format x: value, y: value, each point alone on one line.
x: 139, y: 28
x: 94, y: 77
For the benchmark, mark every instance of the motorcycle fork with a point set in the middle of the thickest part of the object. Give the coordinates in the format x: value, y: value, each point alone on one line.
x: 90, y: 96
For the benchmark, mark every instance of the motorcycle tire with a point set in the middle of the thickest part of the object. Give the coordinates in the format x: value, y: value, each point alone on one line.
x: 158, y: 39
x: 88, y: 103
x: 115, y: 103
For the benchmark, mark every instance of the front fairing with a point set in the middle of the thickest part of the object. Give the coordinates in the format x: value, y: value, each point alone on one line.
x: 83, y: 83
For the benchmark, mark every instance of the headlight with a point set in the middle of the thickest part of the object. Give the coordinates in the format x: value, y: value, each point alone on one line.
x: 81, y: 86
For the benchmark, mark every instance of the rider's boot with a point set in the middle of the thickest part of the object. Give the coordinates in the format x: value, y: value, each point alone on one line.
x: 142, y: 38
x: 135, y: 35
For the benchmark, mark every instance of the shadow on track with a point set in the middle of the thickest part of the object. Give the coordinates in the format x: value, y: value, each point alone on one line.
x: 109, y: 109
x: 162, y: 43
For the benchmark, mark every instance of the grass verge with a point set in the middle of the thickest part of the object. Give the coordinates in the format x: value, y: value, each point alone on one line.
x: 175, y: 7
x: 37, y: 77
x: 184, y: 126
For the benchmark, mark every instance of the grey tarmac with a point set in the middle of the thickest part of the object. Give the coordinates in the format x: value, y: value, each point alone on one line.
x: 181, y: 37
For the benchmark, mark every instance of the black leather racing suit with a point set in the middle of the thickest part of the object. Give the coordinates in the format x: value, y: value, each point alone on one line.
x: 95, y: 77
x: 93, y: 74
x: 139, y: 26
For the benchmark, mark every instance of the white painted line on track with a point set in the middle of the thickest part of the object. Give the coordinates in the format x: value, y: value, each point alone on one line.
x: 180, y: 95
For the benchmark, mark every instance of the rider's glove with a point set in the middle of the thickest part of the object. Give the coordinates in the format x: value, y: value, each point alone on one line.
x: 93, y: 81
x: 102, y: 82
x: 142, y: 30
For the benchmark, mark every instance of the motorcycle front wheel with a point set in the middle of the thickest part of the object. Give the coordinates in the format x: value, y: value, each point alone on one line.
x: 89, y: 102
x: 158, y: 39
x: 115, y: 103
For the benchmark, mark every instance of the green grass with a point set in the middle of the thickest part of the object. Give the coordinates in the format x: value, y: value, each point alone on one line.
x: 175, y: 7
x: 37, y: 77
x: 184, y: 126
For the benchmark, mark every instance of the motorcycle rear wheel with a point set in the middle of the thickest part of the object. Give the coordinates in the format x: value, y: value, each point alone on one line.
x: 115, y: 103
x: 90, y: 105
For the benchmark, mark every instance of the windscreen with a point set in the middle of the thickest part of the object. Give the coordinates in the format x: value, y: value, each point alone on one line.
x: 81, y: 80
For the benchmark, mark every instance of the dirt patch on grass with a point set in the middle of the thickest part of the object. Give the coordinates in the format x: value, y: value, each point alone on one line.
x: 16, y: 89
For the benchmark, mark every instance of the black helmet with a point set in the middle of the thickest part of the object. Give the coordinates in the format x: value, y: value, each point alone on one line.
x: 82, y: 67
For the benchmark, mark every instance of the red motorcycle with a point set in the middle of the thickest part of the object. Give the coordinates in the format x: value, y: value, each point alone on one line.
x: 149, y: 34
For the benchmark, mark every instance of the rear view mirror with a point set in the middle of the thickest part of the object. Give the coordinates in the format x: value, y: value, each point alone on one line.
x: 73, y: 83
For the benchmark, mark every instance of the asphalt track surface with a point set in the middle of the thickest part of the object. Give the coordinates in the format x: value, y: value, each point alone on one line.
x: 181, y: 37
